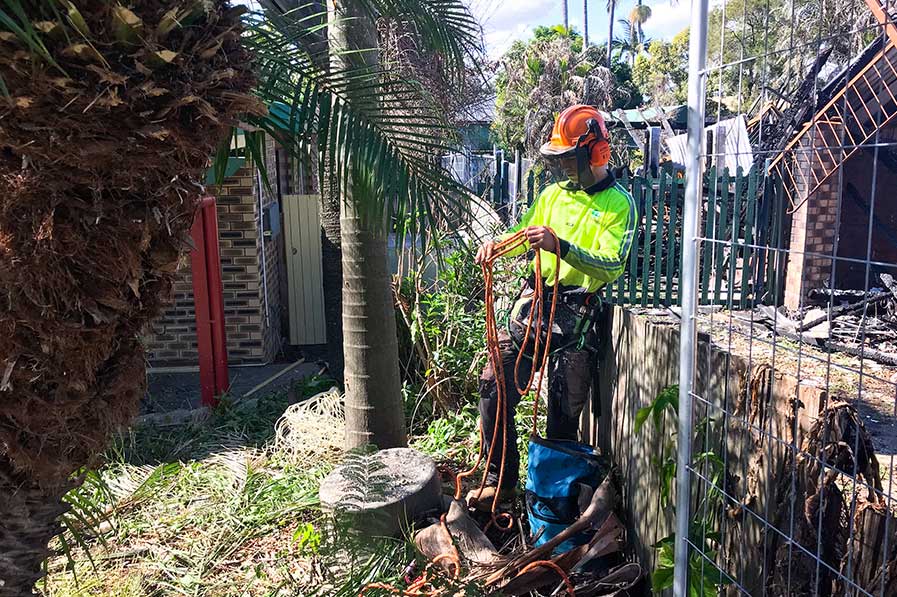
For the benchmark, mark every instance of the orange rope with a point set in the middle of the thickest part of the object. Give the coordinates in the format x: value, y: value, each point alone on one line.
x: 571, y: 591
x: 494, y: 350
x: 422, y: 586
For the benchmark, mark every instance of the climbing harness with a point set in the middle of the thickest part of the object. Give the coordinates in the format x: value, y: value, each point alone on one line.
x: 576, y: 314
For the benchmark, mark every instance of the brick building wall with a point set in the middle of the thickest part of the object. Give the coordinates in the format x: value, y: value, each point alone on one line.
x: 814, y: 225
x: 253, y: 333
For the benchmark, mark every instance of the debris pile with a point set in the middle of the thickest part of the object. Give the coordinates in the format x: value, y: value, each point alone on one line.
x: 594, y: 569
x: 840, y: 513
x: 863, y: 324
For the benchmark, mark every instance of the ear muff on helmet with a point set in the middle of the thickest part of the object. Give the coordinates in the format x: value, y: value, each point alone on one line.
x: 600, y: 153
x: 599, y: 146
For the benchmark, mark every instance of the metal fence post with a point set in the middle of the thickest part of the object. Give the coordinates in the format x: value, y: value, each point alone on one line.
x: 688, y: 338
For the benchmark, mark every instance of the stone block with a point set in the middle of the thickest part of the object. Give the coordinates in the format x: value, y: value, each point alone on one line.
x: 383, y: 492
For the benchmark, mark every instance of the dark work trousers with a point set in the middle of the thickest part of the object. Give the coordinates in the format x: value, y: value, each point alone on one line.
x: 568, y: 383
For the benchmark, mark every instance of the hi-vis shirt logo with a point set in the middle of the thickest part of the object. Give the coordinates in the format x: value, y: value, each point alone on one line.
x: 596, y: 214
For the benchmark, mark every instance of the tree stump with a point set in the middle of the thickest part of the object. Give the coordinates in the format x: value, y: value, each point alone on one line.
x: 381, y: 493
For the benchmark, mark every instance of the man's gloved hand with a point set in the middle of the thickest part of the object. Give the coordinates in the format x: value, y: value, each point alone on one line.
x: 539, y: 238
x: 484, y: 253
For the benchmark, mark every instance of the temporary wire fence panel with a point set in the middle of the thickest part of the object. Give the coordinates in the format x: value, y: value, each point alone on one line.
x: 302, y: 223
x: 786, y: 405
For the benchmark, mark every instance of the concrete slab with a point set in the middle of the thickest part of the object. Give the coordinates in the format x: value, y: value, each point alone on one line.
x: 170, y: 390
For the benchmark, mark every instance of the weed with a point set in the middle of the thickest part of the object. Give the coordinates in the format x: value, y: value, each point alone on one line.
x: 704, y: 576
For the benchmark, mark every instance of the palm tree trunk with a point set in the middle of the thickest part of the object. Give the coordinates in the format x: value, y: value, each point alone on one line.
x: 585, y: 25
x: 29, y: 517
x: 374, y: 413
x: 612, y: 7
x: 641, y: 34
x: 332, y: 262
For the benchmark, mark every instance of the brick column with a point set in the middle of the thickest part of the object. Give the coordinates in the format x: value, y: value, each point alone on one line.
x: 813, y: 224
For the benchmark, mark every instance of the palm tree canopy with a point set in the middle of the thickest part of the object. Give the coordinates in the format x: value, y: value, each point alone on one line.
x: 358, y: 119
x: 640, y: 14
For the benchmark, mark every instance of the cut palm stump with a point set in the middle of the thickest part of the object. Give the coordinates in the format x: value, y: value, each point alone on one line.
x: 382, y: 492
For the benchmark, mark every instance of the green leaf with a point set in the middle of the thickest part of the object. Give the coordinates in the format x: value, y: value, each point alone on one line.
x: 665, y: 557
x: 641, y: 416
x: 661, y: 579
x: 659, y: 405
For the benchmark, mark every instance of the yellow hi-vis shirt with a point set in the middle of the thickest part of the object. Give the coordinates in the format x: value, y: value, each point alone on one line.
x: 595, y: 227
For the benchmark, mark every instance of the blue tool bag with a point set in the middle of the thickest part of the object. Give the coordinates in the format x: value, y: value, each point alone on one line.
x: 554, y: 473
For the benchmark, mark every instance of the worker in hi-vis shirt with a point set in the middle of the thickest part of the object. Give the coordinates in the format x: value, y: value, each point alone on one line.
x: 595, y: 220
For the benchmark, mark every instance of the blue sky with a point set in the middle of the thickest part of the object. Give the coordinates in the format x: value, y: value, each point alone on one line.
x: 507, y: 20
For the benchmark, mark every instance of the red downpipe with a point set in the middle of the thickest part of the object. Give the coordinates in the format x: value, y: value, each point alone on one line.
x: 208, y: 303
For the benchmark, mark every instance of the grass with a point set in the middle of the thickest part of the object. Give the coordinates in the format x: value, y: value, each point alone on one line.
x: 230, y: 507
x: 221, y: 508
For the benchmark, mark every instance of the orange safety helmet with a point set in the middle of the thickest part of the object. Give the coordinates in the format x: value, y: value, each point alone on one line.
x: 576, y: 128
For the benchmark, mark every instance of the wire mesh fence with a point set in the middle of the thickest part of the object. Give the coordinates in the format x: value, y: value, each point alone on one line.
x: 785, y: 485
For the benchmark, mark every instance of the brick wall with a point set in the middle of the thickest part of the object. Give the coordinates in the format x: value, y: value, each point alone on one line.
x: 252, y: 335
x: 814, y: 223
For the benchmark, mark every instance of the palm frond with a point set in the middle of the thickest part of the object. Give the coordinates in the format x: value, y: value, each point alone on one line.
x: 14, y: 20
x: 640, y: 14
x: 380, y: 133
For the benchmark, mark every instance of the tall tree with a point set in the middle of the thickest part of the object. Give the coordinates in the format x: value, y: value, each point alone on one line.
x: 374, y: 413
x: 379, y: 163
x: 611, y: 10
x: 662, y: 73
x: 585, y: 24
x: 638, y: 16
x: 630, y: 44
x: 108, y: 118
x: 407, y: 50
x: 538, y: 78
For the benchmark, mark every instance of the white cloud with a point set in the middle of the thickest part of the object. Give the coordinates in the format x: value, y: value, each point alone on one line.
x: 507, y: 20
x: 668, y: 19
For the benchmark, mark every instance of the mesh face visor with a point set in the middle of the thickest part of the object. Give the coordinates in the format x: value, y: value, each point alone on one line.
x: 571, y: 169
x: 571, y: 166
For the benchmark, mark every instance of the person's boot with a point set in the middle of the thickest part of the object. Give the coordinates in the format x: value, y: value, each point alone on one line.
x: 483, y: 501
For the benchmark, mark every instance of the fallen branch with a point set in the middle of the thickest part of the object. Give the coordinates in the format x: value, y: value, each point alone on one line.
x: 605, y: 541
x: 864, y: 352
x: 470, y: 540
x: 838, y: 311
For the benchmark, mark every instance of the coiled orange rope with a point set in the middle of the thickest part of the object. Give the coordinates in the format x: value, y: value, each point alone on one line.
x: 494, y: 350
x: 422, y: 587
x: 571, y: 591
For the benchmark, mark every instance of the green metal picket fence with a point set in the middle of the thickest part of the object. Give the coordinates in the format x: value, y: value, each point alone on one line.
x: 742, y: 258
